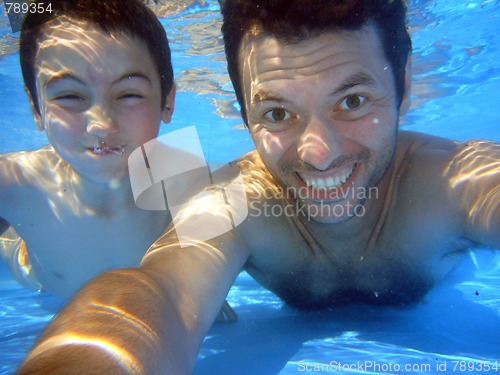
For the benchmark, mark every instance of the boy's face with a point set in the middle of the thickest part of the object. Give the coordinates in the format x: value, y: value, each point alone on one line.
x: 323, y: 116
x: 97, y: 89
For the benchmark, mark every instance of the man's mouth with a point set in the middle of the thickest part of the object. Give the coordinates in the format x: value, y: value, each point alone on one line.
x: 332, y: 181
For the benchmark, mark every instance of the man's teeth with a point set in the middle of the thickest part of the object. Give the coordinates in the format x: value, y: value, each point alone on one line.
x: 330, y: 182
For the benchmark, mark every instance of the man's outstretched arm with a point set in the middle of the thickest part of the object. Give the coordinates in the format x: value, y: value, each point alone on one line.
x: 146, y: 321
x: 113, y: 326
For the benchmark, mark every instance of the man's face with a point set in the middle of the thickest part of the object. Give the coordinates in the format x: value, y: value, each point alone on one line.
x: 96, y: 89
x: 323, y: 116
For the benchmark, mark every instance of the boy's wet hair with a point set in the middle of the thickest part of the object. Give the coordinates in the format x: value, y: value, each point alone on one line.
x: 293, y: 21
x: 132, y: 17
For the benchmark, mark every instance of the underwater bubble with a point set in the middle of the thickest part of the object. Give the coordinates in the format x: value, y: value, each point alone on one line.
x: 99, y: 146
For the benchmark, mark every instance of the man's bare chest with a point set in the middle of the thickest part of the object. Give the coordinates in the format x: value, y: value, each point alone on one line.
x: 389, y: 273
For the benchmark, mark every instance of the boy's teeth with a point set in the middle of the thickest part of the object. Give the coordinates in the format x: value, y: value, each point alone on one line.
x: 330, y: 182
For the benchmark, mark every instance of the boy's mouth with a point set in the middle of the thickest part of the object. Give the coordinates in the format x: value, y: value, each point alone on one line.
x: 101, y: 148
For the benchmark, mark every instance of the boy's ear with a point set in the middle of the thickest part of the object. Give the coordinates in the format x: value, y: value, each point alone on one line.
x: 168, y: 110
x: 405, y: 103
x: 36, y: 115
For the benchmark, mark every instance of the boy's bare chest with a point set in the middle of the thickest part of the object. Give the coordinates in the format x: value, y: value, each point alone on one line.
x: 67, y: 253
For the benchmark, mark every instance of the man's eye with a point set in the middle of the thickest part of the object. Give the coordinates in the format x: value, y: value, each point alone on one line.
x: 352, y: 102
x: 277, y: 115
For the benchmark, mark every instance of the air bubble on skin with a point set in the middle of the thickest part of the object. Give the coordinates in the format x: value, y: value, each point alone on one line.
x: 376, y: 121
x: 120, y: 150
x: 114, y: 184
x: 99, y: 146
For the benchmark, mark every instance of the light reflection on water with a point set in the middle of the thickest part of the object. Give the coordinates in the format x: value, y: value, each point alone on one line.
x: 455, y: 94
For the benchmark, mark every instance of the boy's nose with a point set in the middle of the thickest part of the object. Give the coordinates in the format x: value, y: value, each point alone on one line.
x: 319, y: 146
x: 100, y: 124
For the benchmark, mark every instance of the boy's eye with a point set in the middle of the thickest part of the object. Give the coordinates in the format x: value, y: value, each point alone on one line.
x: 277, y: 115
x: 70, y: 101
x: 352, y: 102
x: 68, y: 97
x: 131, y: 96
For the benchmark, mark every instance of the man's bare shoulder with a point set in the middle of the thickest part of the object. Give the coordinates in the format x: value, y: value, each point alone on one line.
x: 444, y: 180
x: 419, y: 144
x: 259, y: 182
x: 424, y: 152
x: 257, y: 199
x: 424, y: 158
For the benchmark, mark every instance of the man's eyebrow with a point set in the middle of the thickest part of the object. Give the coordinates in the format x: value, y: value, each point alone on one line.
x: 265, y: 96
x: 358, y: 79
x: 56, y: 78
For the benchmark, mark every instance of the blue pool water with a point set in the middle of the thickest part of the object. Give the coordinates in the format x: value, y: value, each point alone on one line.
x: 455, y: 95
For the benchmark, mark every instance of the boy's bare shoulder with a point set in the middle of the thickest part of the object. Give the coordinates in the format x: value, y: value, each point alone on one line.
x: 25, y: 171
x: 28, y: 168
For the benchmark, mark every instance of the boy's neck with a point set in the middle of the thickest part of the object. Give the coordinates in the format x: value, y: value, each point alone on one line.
x: 103, y: 198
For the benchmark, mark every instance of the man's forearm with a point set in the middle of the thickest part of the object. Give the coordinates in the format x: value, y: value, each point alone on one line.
x: 121, y: 323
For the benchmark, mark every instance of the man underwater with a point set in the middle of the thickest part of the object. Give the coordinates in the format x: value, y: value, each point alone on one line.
x: 321, y: 86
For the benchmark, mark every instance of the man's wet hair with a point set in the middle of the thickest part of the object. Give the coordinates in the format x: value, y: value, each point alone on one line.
x: 293, y: 21
x: 131, y: 17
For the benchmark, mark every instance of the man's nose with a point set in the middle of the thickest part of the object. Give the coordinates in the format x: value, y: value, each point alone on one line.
x: 319, y: 144
x: 100, y: 122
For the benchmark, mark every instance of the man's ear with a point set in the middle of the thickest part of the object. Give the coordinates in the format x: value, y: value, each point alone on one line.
x: 168, y: 110
x: 36, y: 115
x: 406, y: 101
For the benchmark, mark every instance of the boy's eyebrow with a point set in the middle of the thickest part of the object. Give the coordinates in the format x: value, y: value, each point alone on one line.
x: 63, y: 76
x: 60, y: 77
x: 133, y: 75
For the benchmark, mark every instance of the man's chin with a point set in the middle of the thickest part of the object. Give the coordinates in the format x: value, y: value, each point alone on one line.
x: 333, y: 213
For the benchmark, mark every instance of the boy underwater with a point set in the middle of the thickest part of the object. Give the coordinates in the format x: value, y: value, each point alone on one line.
x: 100, y: 81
